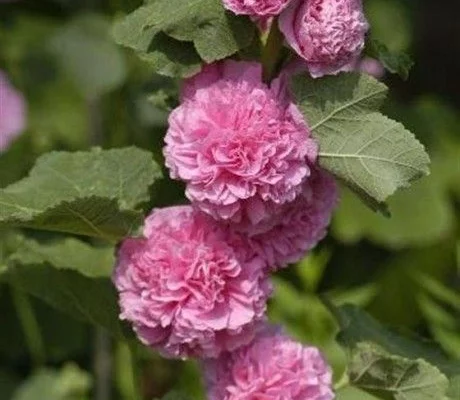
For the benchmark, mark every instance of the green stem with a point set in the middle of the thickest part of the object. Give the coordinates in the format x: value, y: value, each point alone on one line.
x: 127, y: 372
x: 102, y: 365
x: 30, y: 326
x: 272, y: 53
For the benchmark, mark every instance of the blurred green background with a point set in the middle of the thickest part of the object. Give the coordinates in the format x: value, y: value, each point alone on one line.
x: 83, y: 90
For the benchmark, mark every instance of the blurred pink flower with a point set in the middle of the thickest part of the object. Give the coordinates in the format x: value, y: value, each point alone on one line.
x: 328, y: 34
x: 372, y: 67
x: 189, y: 287
x: 300, y: 225
x: 12, y: 112
x: 242, y: 147
x: 261, y: 8
x: 272, y: 367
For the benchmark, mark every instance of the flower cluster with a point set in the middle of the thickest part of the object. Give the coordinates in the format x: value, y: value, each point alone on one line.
x: 12, y: 113
x: 197, y: 283
x: 328, y: 35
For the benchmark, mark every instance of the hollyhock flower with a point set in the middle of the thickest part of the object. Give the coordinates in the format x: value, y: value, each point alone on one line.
x: 260, y: 8
x: 272, y: 367
x: 242, y: 147
x: 299, y: 225
x: 328, y: 34
x: 372, y: 67
x: 189, y: 287
x: 12, y: 113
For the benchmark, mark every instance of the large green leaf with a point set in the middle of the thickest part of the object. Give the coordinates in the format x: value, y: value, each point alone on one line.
x: 193, y: 21
x: 377, y: 372
x: 96, y: 193
x: 70, y: 276
x: 66, y: 254
x: 166, y: 55
x: 357, y: 326
x: 171, y: 57
x: 371, y: 153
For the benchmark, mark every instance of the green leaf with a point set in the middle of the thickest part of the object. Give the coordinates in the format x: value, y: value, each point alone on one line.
x: 371, y: 153
x: 454, y: 389
x: 66, y: 254
x: 380, y: 373
x: 70, y: 383
x: 395, y: 62
x: 163, y: 100
x: 167, y: 56
x: 352, y: 393
x: 86, y: 51
x: 55, y: 274
x: 95, y: 193
x: 171, y: 57
x: 357, y: 326
x: 188, y: 21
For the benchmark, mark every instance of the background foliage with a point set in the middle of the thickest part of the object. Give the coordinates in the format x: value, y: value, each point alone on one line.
x: 84, y: 90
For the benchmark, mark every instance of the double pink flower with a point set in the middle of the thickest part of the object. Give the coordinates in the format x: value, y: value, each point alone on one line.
x: 197, y: 283
x: 328, y: 35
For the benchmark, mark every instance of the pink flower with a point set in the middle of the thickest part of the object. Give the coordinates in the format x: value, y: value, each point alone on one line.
x: 299, y: 225
x: 256, y: 7
x: 328, y: 34
x: 372, y: 67
x: 189, y: 287
x: 242, y: 147
x: 12, y: 113
x: 273, y: 367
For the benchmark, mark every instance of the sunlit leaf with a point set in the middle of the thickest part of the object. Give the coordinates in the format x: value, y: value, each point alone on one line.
x: 371, y: 153
x: 191, y: 22
x: 396, y: 377
x: 96, y: 193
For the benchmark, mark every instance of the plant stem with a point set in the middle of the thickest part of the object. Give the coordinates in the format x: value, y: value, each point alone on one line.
x: 127, y: 372
x: 102, y: 365
x: 272, y: 52
x: 30, y: 326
